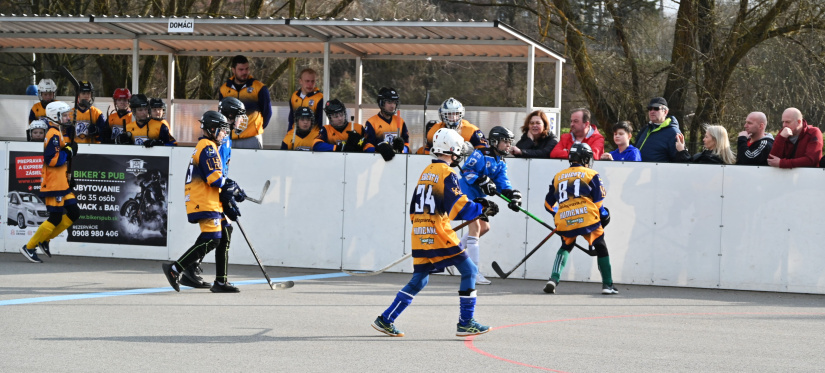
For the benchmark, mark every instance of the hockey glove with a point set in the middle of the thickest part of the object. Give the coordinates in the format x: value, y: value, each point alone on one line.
x: 151, y: 143
x: 386, y: 151
x: 239, y: 195
x: 604, y: 217
x: 353, y: 143
x: 487, y: 185
x: 515, y: 199
x: 70, y: 150
x: 230, y: 209
x: 488, y: 208
x: 398, y: 145
x: 124, y: 138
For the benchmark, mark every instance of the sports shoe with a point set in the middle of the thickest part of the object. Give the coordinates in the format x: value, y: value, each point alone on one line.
x: 172, y: 275
x: 226, y: 287
x: 609, y: 290
x: 190, y: 278
x: 481, y: 280
x: 550, y: 288
x: 31, y: 255
x: 471, y: 328
x: 45, y: 247
x: 387, y: 328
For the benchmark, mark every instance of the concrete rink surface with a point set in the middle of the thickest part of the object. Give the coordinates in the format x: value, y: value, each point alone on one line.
x: 78, y: 314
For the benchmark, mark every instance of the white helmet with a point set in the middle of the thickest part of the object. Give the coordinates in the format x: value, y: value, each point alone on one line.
x: 45, y: 85
x: 38, y: 124
x: 447, y: 141
x: 451, y: 113
x: 55, y: 110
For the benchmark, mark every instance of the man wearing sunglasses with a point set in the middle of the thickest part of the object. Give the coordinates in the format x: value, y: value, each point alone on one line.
x: 657, y: 140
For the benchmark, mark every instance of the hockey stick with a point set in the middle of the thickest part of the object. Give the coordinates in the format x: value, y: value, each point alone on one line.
x: 68, y: 75
x: 503, y: 275
x: 403, y: 258
x: 273, y: 286
x: 260, y: 199
x: 426, y: 102
x: 548, y: 226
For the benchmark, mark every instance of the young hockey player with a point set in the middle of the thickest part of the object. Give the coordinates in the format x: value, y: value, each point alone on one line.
x: 90, y: 123
x: 54, y: 186
x: 121, y: 116
x: 451, y: 113
x: 46, y: 90
x: 339, y: 135
x: 485, y: 173
x: 207, y: 190
x: 386, y: 132
x: 303, y: 135
x: 579, y: 192
x: 37, y: 130
x: 235, y: 113
x: 437, y: 201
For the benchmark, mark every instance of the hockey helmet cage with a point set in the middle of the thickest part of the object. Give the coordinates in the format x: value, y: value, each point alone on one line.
x: 582, y: 154
x: 451, y: 113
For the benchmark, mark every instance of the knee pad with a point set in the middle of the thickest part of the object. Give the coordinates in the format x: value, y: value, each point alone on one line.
x: 55, y: 218
x: 601, y: 247
x: 73, y: 212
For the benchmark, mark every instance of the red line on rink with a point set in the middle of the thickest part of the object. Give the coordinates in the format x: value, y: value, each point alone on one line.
x: 468, y: 342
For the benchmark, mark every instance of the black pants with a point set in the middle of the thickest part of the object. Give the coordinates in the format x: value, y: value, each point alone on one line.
x: 198, y: 251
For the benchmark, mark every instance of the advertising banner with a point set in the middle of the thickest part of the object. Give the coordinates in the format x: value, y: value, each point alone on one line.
x: 26, y: 210
x: 122, y: 199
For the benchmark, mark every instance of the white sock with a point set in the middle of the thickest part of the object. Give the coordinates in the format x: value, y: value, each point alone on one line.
x: 463, y: 243
x: 472, y: 249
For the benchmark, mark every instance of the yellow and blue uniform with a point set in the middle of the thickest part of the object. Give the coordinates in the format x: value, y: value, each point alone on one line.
x: 378, y: 130
x: 202, y: 191
x: 85, y: 119
x: 37, y: 112
x: 579, y: 192
x: 301, y: 142
x: 117, y: 123
x: 255, y: 98
x: 153, y: 130
x: 329, y: 139
x: 467, y: 130
x: 314, y: 100
x: 54, y: 183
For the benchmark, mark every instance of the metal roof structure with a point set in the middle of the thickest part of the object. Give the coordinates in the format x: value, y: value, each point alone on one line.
x: 359, y: 39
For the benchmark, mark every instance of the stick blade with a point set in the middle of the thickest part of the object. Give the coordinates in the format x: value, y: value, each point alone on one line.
x: 499, y: 272
x: 281, y: 285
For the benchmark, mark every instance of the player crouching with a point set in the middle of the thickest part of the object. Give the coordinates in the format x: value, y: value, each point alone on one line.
x: 438, y: 200
x: 205, y: 184
x: 579, y: 192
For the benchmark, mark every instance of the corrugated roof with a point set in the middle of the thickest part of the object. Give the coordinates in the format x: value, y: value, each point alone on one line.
x: 368, y: 39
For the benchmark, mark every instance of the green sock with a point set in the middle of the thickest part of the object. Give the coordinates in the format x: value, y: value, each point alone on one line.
x: 558, y: 265
x: 604, y: 268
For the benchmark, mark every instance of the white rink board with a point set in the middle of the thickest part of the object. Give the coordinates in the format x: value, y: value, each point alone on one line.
x: 731, y: 227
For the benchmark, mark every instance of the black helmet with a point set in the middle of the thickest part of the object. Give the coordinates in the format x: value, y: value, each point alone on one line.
x: 156, y: 103
x: 582, y: 154
x: 334, y: 106
x: 212, y: 122
x: 498, y: 134
x: 304, y: 112
x: 138, y: 100
x: 386, y: 93
x: 231, y: 107
x: 86, y: 86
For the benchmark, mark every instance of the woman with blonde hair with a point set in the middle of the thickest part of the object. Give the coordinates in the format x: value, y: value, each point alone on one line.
x: 536, y: 140
x: 717, y: 148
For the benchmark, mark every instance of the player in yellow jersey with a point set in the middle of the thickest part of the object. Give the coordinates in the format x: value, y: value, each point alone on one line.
x: 451, y: 113
x: 386, y: 132
x: 37, y: 130
x: 90, y: 123
x: 206, y: 191
x: 46, y: 89
x: 118, y: 118
x: 579, y: 192
x: 339, y: 134
x: 437, y: 200
x: 303, y: 135
x: 54, y: 186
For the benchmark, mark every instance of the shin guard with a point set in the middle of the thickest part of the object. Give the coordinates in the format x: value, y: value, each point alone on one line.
x: 44, y: 231
x: 605, y: 270
x: 402, y: 300
x: 559, y: 263
x: 65, y: 223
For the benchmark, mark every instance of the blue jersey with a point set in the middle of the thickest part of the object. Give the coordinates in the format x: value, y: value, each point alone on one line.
x: 483, y: 162
x: 225, y: 151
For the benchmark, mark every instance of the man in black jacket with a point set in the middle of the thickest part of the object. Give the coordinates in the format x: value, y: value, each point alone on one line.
x: 754, y: 145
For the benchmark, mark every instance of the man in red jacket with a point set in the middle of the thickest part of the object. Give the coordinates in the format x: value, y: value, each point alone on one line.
x: 798, y: 144
x: 581, y: 131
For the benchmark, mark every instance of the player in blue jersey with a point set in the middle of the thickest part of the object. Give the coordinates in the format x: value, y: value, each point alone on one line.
x: 436, y: 202
x: 580, y: 193
x: 484, y: 174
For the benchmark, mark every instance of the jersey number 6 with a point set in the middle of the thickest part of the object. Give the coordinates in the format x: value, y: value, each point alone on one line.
x: 424, y: 197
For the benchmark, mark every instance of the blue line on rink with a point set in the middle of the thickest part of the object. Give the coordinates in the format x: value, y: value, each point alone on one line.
x: 59, y: 298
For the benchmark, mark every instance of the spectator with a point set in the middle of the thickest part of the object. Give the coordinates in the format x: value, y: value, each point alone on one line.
x: 308, y: 96
x: 303, y: 136
x: 120, y: 117
x: 717, y: 148
x: 536, y: 139
x: 798, y: 144
x: 255, y: 97
x: 581, y: 131
x: 451, y: 113
x: 656, y: 141
x: 46, y: 90
x: 339, y: 135
x: 386, y: 132
x: 754, y: 145
x: 622, y: 132
x: 90, y: 123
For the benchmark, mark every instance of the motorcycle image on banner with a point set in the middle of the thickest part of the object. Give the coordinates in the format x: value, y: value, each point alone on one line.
x: 147, y: 209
